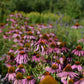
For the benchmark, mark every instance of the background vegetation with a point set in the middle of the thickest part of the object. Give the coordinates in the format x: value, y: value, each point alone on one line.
x: 73, y: 8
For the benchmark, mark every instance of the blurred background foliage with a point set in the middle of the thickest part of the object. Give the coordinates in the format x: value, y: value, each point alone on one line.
x: 73, y: 8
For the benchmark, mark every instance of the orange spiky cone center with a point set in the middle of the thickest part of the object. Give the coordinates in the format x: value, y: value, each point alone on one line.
x: 12, y: 48
x: 19, y: 76
x: 68, y: 68
x: 54, y: 66
x: 2, y: 24
x: 27, y: 45
x: 45, y: 36
x: 30, y: 33
x: 77, y: 63
x: 62, y: 44
x: 11, y: 70
x: 17, y: 32
x: 29, y: 77
x: 37, y: 56
x: 79, y: 48
x: 48, y: 80
x: 77, y: 24
x: 9, y: 53
x: 17, y: 37
x: 52, y: 45
x: 22, y: 52
x: 21, y: 66
x: 58, y: 61
x: 46, y: 73
x: 20, y: 48
x: 21, y: 41
x: 71, y: 81
x: 42, y: 42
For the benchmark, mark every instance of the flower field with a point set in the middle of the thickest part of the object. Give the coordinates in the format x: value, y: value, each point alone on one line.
x: 41, y: 49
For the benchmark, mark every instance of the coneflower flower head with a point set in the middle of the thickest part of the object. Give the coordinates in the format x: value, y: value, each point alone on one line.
x: 48, y: 80
x: 62, y: 44
x: 77, y: 63
x: 19, y: 76
x: 45, y: 36
x: 68, y: 68
x: 1, y: 24
x: 54, y: 66
x: 37, y: 56
x: 22, y: 53
x: 46, y: 73
x: 29, y: 77
x: 21, y: 41
x: 79, y: 48
x: 27, y: 45
x: 71, y: 81
x: 42, y: 42
x: 20, y: 48
x: 30, y: 33
x: 17, y: 37
x: 11, y: 70
x: 58, y: 61
x: 21, y: 66
x: 52, y: 45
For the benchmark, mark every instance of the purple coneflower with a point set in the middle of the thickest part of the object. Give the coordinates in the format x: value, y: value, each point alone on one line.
x: 20, y: 69
x: 77, y: 66
x: 59, y: 65
x: 81, y: 81
x: 11, y: 74
x: 19, y: 50
x: 16, y: 39
x: 67, y: 71
x: 2, y: 25
x: 29, y: 80
x: 53, y: 48
x: 10, y: 57
x: 77, y: 26
x: 11, y: 50
x: 5, y: 36
x: 39, y: 44
x: 22, y: 57
x: 44, y: 74
x: 78, y: 51
x: 52, y: 69
x: 19, y: 78
x: 62, y: 47
x: 29, y: 35
x: 36, y: 58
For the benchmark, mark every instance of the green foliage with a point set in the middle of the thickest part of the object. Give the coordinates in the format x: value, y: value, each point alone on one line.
x: 73, y: 8
x: 3, y: 69
x: 36, y: 17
